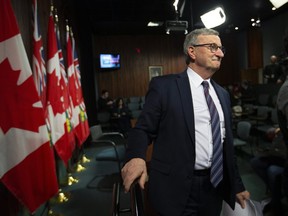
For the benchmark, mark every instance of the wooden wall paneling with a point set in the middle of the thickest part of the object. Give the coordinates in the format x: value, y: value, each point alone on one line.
x: 137, y: 54
x: 250, y: 75
x: 255, y: 48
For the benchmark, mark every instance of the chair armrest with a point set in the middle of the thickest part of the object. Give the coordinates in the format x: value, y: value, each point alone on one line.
x: 104, y: 142
x: 109, y: 142
x: 113, y: 133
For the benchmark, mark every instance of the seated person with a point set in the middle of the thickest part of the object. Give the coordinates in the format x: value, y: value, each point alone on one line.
x: 121, y: 116
x: 269, y: 167
x: 104, y: 102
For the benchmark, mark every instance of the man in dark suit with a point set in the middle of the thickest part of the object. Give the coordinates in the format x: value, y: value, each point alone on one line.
x: 176, y: 119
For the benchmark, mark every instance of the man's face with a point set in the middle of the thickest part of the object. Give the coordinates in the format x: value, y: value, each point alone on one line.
x: 204, y: 57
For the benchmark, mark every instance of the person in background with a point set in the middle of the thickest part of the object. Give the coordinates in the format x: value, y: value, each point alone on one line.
x: 282, y: 111
x: 176, y: 119
x: 269, y: 166
x: 121, y: 116
x: 104, y: 102
x: 273, y: 72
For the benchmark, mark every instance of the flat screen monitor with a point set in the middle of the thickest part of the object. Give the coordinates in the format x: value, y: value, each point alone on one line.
x: 109, y: 61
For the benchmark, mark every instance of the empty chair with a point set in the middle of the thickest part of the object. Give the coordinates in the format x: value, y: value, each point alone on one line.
x: 242, y: 137
x: 113, y: 145
x: 271, y: 123
x: 133, y: 106
x: 262, y: 114
x: 103, y: 119
x: 263, y: 99
x: 134, y: 99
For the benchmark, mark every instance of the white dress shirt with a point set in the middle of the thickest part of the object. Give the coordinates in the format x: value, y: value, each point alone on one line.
x: 203, y: 131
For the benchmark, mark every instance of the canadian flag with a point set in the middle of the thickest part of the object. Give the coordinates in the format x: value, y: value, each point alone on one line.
x: 79, y: 116
x: 27, y: 166
x: 38, y: 63
x: 83, y: 132
x: 57, y: 98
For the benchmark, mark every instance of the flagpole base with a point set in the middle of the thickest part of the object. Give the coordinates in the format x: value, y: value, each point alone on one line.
x: 72, y: 180
x: 51, y: 213
x: 80, y: 168
x: 85, y: 159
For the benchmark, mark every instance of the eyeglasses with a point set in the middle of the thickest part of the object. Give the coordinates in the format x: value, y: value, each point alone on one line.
x: 213, y: 47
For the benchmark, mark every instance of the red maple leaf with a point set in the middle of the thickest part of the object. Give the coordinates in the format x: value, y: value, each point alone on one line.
x: 55, y: 93
x: 17, y: 108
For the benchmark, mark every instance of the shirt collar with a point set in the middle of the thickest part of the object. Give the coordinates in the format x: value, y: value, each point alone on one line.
x: 195, y: 78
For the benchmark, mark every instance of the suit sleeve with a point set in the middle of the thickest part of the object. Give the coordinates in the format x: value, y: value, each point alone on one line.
x: 146, y: 127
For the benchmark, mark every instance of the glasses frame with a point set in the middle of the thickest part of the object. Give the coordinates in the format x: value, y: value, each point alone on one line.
x: 213, y: 47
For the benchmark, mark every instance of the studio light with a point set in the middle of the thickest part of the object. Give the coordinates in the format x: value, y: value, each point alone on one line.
x: 176, y: 26
x: 278, y: 3
x: 213, y: 18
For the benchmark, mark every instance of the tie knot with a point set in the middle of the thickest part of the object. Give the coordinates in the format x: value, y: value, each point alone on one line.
x: 205, y: 84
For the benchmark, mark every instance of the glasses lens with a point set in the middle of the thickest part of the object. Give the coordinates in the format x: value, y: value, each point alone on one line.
x: 214, y: 47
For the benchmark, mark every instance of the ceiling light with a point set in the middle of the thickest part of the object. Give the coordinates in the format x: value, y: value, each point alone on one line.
x: 213, y: 18
x: 176, y: 26
x: 278, y: 3
x: 154, y: 24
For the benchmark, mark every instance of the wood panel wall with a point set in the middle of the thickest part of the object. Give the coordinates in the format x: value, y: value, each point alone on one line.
x: 137, y: 54
x: 255, y: 48
x: 140, y: 52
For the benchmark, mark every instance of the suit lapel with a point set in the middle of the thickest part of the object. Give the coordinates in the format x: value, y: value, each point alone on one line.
x: 186, y: 99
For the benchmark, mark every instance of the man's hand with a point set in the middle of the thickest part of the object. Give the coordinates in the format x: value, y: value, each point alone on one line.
x: 133, y: 169
x: 242, y: 197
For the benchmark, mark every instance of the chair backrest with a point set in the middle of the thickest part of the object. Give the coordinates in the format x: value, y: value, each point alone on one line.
x: 133, y: 106
x: 96, y: 132
x: 263, y: 99
x: 134, y: 99
x: 263, y: 111
x: 243, y: 129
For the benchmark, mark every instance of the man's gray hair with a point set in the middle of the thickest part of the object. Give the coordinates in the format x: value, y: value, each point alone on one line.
x: 192, y: 38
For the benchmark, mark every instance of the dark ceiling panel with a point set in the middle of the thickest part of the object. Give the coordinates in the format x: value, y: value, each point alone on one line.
x: 132, y: 16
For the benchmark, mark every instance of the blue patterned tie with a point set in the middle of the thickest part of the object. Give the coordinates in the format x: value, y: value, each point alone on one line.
x: 216, y: 174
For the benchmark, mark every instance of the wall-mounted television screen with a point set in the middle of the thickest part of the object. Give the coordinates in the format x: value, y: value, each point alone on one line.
x: 109, y: 61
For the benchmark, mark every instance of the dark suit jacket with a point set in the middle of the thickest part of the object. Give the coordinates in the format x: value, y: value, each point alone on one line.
x: 167, y: 120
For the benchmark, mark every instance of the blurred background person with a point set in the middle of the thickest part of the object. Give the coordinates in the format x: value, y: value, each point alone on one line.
x: 104, y: 102
x: 121, y: 116
x: 273, y: 72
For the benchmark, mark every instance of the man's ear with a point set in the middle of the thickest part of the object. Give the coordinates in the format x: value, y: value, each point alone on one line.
x: 191, y: 52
